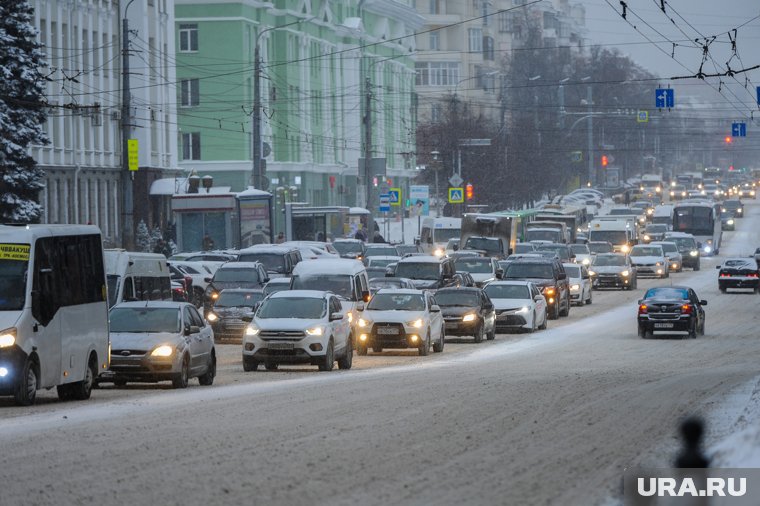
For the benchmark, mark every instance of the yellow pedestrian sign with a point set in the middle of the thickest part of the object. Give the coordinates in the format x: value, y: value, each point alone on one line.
x: 395, y: 196
x: 456, y: 195
x: 133, y: 152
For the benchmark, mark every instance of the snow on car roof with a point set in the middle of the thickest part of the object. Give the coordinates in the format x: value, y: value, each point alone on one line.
x: 328, y: 266
x: 310, y: 294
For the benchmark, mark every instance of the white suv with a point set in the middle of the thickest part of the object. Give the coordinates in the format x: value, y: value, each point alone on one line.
x: 298, y: 327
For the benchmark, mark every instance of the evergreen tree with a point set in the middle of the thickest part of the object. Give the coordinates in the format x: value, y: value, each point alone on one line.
x: 142, y: 240
x: 22, y: 112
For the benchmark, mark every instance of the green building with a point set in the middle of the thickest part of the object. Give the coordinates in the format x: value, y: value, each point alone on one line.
x: 317, y: 59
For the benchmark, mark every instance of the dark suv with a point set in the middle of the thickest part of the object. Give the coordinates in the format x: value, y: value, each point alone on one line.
x: 428, y: 272
x: 550, y: 277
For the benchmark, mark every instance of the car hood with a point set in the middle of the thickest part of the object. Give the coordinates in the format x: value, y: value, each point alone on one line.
x: 232, y: 312
x: 393, y: 316
x: 9, y: 319
x: 457, y: 310
x: 287, y: 324
x: 425, y: 283
x: 222, y: 285
x: 502, y: 304
x: 646, y: 260
x: 142, y: 340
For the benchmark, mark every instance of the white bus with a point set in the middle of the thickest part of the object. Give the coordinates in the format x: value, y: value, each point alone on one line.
x: 136, y: 276
x: 700, y: 220
x: 436, y: 232
x: 54, y: 328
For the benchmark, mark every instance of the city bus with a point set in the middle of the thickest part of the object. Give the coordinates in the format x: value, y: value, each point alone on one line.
x: 520, y: 220
x: 700, y: 220
x: 54, y: 310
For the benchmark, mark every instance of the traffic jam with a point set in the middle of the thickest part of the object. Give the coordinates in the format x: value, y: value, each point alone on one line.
x: 309, y: 305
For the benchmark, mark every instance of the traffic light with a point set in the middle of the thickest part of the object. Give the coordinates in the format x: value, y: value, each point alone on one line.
x: 468, y: 191
x: 604, y: 161
x: 728, y: 139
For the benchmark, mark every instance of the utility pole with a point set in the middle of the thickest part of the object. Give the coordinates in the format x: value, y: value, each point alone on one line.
x: 256, y: 175
x: 127, y: 202
x: 591, y: 171
x: 368, y: 158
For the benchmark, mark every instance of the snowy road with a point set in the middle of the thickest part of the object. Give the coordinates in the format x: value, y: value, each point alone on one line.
x: 550, y: 418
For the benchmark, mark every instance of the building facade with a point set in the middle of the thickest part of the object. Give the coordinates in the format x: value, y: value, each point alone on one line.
x: 83, y: 160
x: 320, y: 59
x: 463, y: 45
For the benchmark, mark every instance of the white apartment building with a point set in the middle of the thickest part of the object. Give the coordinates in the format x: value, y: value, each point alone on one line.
x: 463, y: 61
x: 82, y: 162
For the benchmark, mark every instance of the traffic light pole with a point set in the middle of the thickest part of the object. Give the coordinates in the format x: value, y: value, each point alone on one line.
x: 368, y: 159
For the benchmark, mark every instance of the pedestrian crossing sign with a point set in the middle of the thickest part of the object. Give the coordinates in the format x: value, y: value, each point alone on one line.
x: 456, y: 195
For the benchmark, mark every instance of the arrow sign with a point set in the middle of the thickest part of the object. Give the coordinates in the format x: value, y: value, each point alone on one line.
x: 738, y: 129
x: 456, y: 195
x: 664, y: 97
x: 456, y: 180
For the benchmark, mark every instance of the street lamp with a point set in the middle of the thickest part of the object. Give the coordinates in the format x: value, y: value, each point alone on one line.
x: 436, y: 166
x: 127, y: 198
x: 257, y: 175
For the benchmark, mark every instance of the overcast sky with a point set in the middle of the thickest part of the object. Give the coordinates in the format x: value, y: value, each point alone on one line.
x: 693, y: 19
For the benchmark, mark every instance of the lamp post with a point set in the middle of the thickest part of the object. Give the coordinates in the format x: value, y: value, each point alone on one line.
x: 436, y: 167
x: 127, y: 199
x: 256, y: 174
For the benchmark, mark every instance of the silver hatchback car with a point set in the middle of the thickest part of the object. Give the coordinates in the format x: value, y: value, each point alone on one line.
x: 154, y: 341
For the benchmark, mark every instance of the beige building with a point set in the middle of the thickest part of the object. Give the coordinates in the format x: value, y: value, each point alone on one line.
x: 464, y: 60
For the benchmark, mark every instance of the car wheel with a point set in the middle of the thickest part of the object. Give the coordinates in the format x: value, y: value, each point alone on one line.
x: 345, y: 362
x: 328, y: 361
x: 696, y: 267
x: 492, y: 335
x: 479, y: 332
x: 722, y: 289
x: 361, y: 350
x: 271, y: 366
x: 424, y: 347
x: 438, y: 347
x: 26, y: 390
x: 555, y: 313
x: 182, y: 377
x: 81, y: 390
x: 249, y: 364
x: 702, y: 329
x: 545, y: 322
x: 377, y: 349
x: 590, y: 297
x: 208, y: 378
x: 693, y: 330
x: 119, y: 383
x: 566, y: 311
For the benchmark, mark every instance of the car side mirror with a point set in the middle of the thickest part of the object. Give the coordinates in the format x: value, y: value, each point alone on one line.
x: 499, y: 273
x: 538, y: 297
x: 488, y: 307
x: 336, y: 317
x: 717, y: 266
x: 359, y: 306
x: 366, y: 296
x: 248, y: 318
x: 562, y: 275
x: 702, y: 302
x: 435, y: 308
x: 207, y: 280
x: 192, y: 329
x: 640, y: 301
x: 265, y: 280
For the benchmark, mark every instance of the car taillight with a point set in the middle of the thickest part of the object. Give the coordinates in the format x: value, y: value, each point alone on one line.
x: 687, y: 309
x: 643, y: 309
x: 752, y: 275
x: 724, y: 275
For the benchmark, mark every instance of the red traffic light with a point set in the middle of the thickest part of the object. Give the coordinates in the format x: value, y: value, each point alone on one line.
x: 468, y: 191
x: 604, y: 160
x: 728, y: 140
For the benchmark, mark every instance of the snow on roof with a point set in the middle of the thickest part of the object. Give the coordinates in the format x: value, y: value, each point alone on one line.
x: 253, y: 192
x: 328, y: 266
x: 357, y: 210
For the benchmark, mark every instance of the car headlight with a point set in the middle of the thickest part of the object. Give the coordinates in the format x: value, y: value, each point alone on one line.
x: 694, y: 253
x: 7, y: 338
x: 724, y: 210
x: 672, y: 194
x: 252, y: 330
x: 625, y: 248
x: 523, y: 310
x: 163, y: 351
x: 730, y: 222
x: 362, y: 323
x: 591, y: 273
x: 469, y: 317
x: 575, y: 288
x: 416, y: 323
x: 212, y: 317
x: 739, y: 211
x: 315, y: 331
x: 707, y: 249
x: 586, y: 261
x: 625, y: 273
x: 350, y: 316
x: 438, y: 252
x: 647, y: 238
x: 658, y: 264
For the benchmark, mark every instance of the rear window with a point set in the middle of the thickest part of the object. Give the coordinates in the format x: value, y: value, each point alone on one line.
x: 525, y: 270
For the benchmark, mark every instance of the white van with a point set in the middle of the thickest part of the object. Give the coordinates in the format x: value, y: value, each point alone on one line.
x: 136, y: 276
x: 436, y: 232
x: 344, y: 277
x: 53, y: 310
x: 663, y: 214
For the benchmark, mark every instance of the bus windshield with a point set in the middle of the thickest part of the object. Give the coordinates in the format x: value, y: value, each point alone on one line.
x: 694, y: 220
x: 611, y: 236
x: 444, y: 234
x: 12, y: 284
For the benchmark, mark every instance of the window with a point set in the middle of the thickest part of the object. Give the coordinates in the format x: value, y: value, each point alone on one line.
x: 476, y: 39
x: 488, y: 50
x: 190, y: 92
x: 188, y: 38
x: 436, y: 113
x: 437, y: 73
x: 435, y: 41
x: 191, y: 146
x: 435, y: 6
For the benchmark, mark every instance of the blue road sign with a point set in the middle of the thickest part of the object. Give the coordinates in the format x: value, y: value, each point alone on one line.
x: 664, y: 97
x: 738, y: 129
x: 385, y: 203
x: 395, y: 196
x: 456, y: 195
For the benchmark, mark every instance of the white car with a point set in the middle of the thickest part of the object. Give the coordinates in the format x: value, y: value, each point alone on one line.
x: 298, y: 327
x: 160, y: 340
x: 580, y: 284
x: 482, y: 269
x: 401, y: 319
x: 649, y: 260
x: 582, y: 254
x: 519, y: 305
x: 382, y: 261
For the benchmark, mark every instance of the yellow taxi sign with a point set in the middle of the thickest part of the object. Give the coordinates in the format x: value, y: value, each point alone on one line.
x: 14, y: 252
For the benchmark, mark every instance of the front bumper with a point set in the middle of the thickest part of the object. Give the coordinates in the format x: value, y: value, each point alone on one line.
x: 690, y: 261
x: 611, y: 281
x: 455, y: 326
x: 509, y: 320
x: 651, y: 270
x: 12, y: 359
x: 140, y: 366
x: 295, y: 348
x: 391, y: 335
x: 229, y: 329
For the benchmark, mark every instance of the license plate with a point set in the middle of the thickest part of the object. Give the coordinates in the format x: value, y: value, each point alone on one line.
x: 451, y: 325
x: 387, y: 331
x: 280, y: 346
x: 663, y: 325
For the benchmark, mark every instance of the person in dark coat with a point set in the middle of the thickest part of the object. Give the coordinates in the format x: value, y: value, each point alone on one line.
x: 378, y: 238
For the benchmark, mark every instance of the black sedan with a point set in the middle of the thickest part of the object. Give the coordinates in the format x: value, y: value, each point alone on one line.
x: 671, y: 309
x: 467, y: 312
x: 738, y: 273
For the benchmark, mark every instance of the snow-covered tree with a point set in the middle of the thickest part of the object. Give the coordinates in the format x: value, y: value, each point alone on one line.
x: 142, y: 240
x: 155, y: 236
x: 22, y: 112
